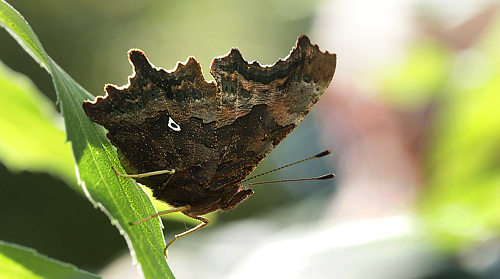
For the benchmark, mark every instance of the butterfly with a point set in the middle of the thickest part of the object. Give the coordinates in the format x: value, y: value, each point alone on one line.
x: 192, y: 141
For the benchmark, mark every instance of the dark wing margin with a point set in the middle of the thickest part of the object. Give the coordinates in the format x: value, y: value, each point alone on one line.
x: 260, y: 106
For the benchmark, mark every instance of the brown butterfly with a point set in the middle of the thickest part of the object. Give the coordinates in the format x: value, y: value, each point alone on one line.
x: 192, y: 141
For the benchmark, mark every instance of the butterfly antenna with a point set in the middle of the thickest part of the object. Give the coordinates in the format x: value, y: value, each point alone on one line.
x: 322, y: 154
x: 323, y: 177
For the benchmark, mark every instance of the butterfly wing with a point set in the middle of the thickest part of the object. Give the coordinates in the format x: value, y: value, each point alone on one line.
x: 260, y: 106
x: 212, y: 134
x: 162, y: 120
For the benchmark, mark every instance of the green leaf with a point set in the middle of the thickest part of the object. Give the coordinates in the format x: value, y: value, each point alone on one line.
x: 24, y: 263
x: 32, y: 136
x: 121, y: 199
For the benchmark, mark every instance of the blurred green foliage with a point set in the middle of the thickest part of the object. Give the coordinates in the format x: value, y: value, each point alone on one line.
x: 463, y: 201
x: 32, y: 136
x: 460, y: 199
x: 415, y: 81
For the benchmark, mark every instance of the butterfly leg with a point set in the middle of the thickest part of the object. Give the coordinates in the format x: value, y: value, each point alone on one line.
x: 204, y: 221
x: 146, y: 174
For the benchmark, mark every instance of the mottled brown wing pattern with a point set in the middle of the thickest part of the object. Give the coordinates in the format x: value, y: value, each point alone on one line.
x: 212, y: 134
x: 260, y: 106
x: 162, y: 120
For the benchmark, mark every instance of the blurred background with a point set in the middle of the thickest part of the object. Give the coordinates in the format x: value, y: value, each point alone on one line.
x: 411, y: 116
